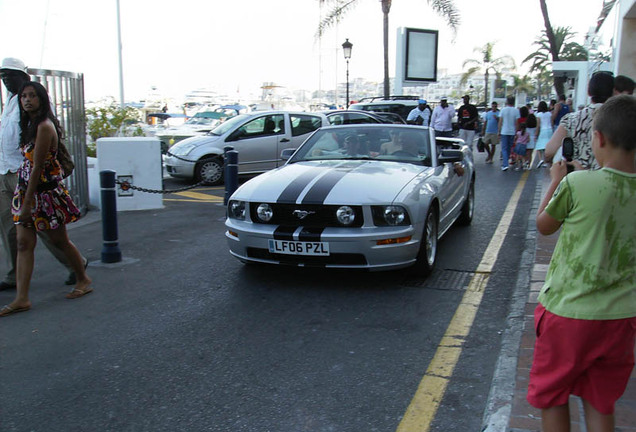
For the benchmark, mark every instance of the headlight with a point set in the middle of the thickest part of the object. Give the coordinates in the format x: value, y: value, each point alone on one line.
x: 181, y: 149
x: 236, y: 210
x: 390, y: 215
x: 345, y: 215
x: 264, y: 212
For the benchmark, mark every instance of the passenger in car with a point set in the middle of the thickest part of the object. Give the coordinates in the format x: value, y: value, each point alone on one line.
x: 354, y: 147
x: 391, y: 146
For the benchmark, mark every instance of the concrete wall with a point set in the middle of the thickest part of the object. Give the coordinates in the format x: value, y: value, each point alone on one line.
x: 625, y: 63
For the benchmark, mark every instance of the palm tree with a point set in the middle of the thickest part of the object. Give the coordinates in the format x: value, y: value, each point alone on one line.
x: 521, y: 84
x: 488, y: 63
x: 543, y: 81
x: 445, y: 8
x: 555, y: 43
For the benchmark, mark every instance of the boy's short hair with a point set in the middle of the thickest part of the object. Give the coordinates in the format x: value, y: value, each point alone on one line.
x: 624, y: 84
x: 615, y: 120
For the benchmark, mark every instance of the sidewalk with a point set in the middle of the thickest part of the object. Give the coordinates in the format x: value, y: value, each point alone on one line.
x: 523, y: 417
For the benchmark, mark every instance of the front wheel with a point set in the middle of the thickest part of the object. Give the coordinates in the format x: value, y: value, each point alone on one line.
x: 209, y: 171
x: 466, y: 216
x: 427, y: 255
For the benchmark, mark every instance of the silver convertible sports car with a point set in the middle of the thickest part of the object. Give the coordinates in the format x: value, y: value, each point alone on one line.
x: 372, y: 196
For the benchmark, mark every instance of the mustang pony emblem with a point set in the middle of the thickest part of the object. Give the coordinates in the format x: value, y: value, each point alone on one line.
x: 302, y: 214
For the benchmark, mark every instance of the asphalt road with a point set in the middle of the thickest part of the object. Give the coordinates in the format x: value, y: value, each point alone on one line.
x: 183, y: 337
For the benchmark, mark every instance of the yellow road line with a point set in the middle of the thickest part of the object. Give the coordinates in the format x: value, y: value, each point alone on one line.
x: 195, y: 195
x: 428, y: 396
x: 190, y: 196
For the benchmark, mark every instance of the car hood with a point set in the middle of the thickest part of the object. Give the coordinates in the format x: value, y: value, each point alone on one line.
x: 355, y: 182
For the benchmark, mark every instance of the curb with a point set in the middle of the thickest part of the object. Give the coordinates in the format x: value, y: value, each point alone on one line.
x: 500, y: 399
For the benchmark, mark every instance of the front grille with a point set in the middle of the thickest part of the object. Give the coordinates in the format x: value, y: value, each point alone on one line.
x: 318, y: 216
x: 334, y: 259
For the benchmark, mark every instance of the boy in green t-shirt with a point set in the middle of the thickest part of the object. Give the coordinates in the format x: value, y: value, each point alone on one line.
x: 586, y: 318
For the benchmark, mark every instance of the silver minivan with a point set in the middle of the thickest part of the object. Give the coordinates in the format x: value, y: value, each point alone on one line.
x: 259, y: 138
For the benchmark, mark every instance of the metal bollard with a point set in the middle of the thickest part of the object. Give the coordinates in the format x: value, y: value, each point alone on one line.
x: 231, y: 174
x: 110, y: 250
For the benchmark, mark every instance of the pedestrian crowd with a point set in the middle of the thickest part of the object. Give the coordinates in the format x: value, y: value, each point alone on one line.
x: 546, y: 126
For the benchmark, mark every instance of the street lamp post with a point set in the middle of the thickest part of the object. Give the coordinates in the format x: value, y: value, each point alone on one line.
x: 346, y: 49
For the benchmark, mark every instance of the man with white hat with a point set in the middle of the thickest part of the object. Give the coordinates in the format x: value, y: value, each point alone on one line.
x: 442, y: 119
x: 13, y: 73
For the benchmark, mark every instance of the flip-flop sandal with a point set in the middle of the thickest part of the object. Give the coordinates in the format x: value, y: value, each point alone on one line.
x: 8, y: 310
x: 77, y: 293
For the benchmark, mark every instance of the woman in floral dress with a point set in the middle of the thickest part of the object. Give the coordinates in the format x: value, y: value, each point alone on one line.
x: 41, y: 201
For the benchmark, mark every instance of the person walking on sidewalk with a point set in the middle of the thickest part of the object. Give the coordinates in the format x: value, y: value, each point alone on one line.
x: 467, y: 117
x: 442, y: 119
x: 491, y: 132
x: 13, y: 74
x: 544, y: 127
x: 586, y: 317
x: 41, y: 202
x: 507, y: 130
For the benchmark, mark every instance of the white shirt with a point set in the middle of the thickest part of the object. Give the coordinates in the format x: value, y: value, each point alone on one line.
x: 416, y: 112
x: 442, y: 119
x: 508, y: 119
x: 10, y: 156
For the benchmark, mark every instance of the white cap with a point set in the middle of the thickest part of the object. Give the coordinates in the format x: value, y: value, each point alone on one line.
x: 13, y: 64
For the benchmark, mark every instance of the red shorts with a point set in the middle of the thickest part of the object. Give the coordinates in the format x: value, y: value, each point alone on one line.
x: 592, y: 359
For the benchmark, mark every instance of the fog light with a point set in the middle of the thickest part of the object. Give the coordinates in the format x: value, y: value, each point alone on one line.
x: 264, y: 212
x: 345, y: 215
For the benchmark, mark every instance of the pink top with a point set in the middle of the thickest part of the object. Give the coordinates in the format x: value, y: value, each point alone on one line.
x: 523, y: 139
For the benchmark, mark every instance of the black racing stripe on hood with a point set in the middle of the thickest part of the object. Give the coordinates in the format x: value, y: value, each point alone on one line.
x: 293, y: 190
x: 310, y: 234
x: 284, y: 233
x: 320, y: 190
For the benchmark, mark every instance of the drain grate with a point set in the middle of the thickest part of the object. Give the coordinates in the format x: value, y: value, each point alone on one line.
x: 448, y: 280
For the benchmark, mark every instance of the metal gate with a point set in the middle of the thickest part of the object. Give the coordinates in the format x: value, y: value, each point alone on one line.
x: 66, y: 90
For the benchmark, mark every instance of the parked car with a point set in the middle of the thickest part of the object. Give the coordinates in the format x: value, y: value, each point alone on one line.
x: 401, y: 105
x: 372, y: 196
x: 201, y: 123
x: 259, y: 138
x: 340, y: 117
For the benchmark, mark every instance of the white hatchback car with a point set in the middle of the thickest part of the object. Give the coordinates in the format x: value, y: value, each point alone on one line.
x: 259, y: 138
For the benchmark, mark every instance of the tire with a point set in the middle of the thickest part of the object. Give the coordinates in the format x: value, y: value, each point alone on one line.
x: 427, y: 256
x: 466, y: 216
x: 210, y: 171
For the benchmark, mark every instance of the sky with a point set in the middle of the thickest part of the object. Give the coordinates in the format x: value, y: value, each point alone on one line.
x: 236, y: 46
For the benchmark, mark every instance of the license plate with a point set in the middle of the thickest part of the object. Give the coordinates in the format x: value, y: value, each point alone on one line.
x: 299, y: 248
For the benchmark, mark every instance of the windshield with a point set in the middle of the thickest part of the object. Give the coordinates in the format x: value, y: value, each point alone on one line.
x: 228, y: 124
x: 372, y: 143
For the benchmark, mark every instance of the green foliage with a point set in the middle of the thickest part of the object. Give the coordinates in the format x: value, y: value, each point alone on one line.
x: 111, y: 120
x: 566, y: 49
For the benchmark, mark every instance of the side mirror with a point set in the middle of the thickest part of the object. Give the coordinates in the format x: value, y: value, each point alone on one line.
x: 287, y: 153
x: 450, y: 156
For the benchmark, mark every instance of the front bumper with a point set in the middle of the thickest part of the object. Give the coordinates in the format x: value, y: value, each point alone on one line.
x: 354, y: 248
x: 179, y: 168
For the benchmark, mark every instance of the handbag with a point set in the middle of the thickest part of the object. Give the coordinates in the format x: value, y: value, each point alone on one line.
x: 480, y: 145
x: 65, y: 160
